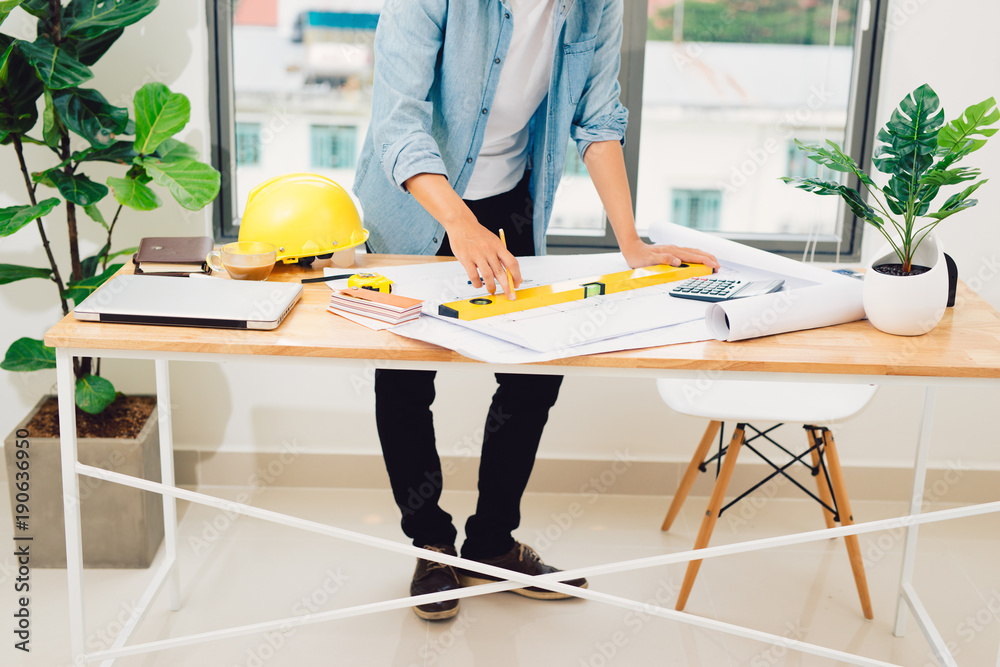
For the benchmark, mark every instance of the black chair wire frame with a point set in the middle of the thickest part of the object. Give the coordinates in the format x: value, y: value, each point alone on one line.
x: 819, y: 445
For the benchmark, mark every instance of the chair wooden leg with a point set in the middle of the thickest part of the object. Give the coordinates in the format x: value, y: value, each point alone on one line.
x: 691, y: 473
x: 821, y: 484
x: 712, y: 513
x: 846, y: 519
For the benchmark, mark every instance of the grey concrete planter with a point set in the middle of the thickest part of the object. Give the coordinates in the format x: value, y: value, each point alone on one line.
x: 122, y: 526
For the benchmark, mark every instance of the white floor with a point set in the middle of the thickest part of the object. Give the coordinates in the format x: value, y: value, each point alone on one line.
x: 240, y: 571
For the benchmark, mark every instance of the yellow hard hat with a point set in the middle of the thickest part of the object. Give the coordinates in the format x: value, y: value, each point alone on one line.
x: 304, y: 216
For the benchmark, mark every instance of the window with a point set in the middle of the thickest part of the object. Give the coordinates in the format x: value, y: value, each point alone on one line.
x: 293, y: 81
x: 333, y: 147
x: 716, y: 90
x: 247, y: 144
x: 698, y: 209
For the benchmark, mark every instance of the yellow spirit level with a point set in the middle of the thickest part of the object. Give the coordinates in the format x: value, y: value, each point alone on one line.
x: 571, y: 290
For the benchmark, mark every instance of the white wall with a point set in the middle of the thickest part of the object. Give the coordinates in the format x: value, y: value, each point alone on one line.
x: 239, y: 407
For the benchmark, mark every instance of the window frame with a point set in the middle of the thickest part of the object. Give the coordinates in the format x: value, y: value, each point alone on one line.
x: 859, y: 132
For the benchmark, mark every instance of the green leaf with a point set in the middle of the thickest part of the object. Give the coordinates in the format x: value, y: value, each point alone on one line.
x: 78, y: 290
x: 137, y: 196
x: 90, y: 264
x: 941, y: 177
x: 908, y: 142
x: 120, y: 152
x: 95, y: 214
x: 55, y: 66
x: 94, y: 393
x: 6, y: 7
x: 958, y: 202
x: 78, y: 189
x: 969, y: 132
x: 14, y: 218
x: 11, y: 272
x: 87, y: 113
x: 172, y: 150
x: 52, y: 127
x: 834, y: 158
x: 89, y: 51
x: 814, y: 185
x: 37, y: 8
x: 159, y: 115
x: 28, y: 354
x: 859, y: 207
x: 20, y: 88
x: 87, y: 19
x: 193, y: 184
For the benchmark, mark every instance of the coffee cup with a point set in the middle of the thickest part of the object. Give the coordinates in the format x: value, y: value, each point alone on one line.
x: 244, y: 260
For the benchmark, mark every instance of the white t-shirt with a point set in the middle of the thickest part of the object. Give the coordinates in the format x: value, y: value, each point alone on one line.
x: 524, y: 82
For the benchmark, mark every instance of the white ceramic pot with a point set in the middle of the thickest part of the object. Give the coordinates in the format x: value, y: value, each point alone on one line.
x: 908, y: 305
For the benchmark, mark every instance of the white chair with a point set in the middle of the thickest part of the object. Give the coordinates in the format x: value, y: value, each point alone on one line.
x: 811, y: 404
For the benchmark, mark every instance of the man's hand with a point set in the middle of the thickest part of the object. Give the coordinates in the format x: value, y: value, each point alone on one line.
x: 480, y: 251
x: 639, y: 254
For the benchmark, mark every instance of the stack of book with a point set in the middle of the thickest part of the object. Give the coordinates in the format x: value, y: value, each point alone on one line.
x: 172, y: 255
x: 382, y: 306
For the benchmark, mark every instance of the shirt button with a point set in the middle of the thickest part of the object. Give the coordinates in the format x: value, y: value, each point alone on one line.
x: 506, y: 15
x: 496, y: 60
x: 469, y: 160
x: 435, y: 239
x: 485, y: 111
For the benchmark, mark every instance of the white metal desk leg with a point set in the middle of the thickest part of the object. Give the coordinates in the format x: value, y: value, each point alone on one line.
x: 916, y: 504
x: 167, y: 477
x: 66, y: 383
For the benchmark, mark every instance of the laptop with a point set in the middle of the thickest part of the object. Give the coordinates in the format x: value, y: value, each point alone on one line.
x: 190, y: 302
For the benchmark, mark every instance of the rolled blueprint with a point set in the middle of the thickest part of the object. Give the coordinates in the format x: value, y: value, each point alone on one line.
x: 805, y: 308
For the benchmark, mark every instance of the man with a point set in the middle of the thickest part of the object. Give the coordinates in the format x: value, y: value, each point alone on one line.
x: 473, y: 105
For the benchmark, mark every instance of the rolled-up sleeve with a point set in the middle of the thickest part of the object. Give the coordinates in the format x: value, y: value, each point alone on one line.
x: 600, y: 115
x: 407, y: 42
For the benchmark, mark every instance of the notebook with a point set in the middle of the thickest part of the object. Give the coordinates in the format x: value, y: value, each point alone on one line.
x: 194, y: 302
x: 391, y: 308
x: 172, y: 255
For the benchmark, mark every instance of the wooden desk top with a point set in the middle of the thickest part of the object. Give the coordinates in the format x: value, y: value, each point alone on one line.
x: 966, y: 344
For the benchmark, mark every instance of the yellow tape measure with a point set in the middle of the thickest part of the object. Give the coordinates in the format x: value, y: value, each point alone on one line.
x: 371, y: 281
x: 571, y: 290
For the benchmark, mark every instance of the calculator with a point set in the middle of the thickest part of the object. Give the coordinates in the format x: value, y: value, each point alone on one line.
x: 721, y: 289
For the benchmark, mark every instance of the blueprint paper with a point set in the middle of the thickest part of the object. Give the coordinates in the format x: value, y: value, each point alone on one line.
x: 811, y: 297
x: 481, y: 347
x: 781, y: 312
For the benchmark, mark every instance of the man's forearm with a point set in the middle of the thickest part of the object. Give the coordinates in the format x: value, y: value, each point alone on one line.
x: 436, y: 195
x: 606, y: 165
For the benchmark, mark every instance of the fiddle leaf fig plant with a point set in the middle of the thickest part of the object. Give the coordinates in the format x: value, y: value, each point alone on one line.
x: 918, y: 151
x: 43, y: 104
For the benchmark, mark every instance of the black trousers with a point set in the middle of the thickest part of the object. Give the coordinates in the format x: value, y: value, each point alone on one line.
x: 514, y: 423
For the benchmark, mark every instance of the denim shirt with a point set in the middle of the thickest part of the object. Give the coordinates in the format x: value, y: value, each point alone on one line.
x: 437, y: 65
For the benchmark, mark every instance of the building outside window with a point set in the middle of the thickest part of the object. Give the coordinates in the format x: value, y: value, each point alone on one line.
x: 697, y: 209
x: 333, y: 146
x: 247, y: 144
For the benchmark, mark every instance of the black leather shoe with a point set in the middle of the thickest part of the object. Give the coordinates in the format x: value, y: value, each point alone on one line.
x: 525, y: 560
x: 433, y: 577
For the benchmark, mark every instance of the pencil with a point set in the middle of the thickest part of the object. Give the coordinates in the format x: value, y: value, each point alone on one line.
x: 510, y: 281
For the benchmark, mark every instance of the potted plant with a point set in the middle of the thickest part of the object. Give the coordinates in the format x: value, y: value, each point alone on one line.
x: 906, y: 285
x: 58, y: 130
